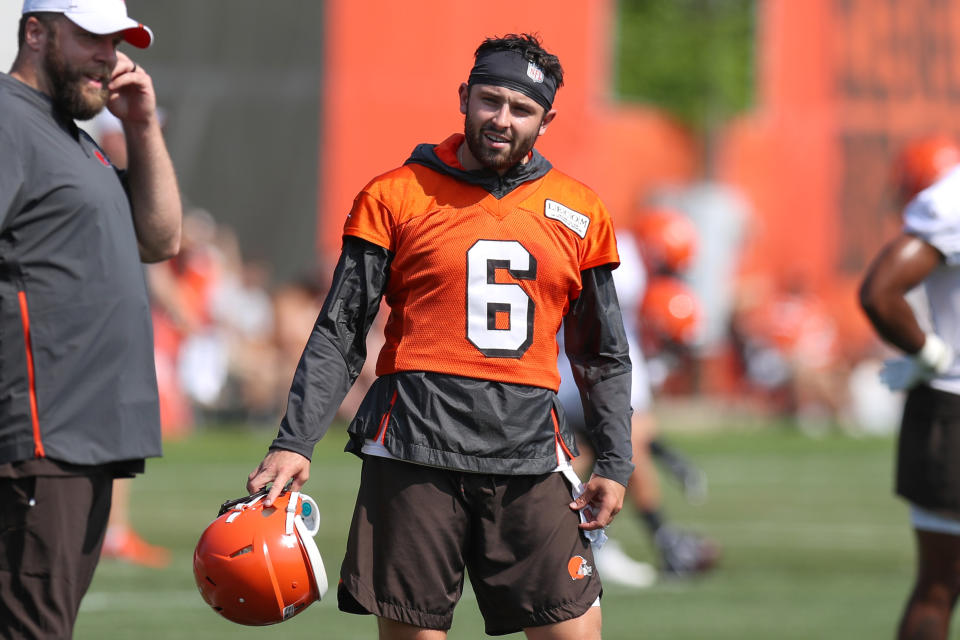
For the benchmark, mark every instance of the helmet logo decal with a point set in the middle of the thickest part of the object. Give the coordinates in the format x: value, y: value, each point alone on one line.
x: 579, y: 568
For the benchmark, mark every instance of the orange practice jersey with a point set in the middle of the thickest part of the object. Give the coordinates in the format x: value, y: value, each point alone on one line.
x: 479, y: 286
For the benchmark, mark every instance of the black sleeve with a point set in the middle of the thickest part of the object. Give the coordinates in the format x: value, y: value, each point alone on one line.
x: 336, y: 348
x: 596, y: 344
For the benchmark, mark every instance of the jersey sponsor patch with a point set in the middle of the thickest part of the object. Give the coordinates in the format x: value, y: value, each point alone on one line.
x: 575, y: 221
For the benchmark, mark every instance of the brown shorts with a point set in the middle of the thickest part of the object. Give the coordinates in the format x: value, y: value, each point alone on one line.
x: 51, y: 531
x: 416, y: 529
x: 928, y: 452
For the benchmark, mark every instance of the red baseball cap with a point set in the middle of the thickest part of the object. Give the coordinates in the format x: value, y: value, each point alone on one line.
x: 97, y: 16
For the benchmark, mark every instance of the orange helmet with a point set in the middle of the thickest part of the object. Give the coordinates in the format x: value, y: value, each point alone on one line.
x: 259, y: 566
x: 670, y: 310
x: 667, y: 238
x: 922, y: 161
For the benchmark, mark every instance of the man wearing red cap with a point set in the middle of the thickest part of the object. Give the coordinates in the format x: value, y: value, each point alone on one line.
x: 78, y: 391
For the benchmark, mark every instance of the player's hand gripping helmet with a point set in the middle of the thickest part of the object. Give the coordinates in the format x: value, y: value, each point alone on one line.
x: 259, y: 565
x: 667, y: 238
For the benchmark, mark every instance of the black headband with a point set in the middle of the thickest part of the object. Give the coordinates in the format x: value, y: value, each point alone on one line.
x: 511, y: 70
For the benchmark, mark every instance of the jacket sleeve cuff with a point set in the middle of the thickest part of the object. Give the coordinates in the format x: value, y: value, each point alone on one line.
x: 616, y: 470
x: 297, y: 446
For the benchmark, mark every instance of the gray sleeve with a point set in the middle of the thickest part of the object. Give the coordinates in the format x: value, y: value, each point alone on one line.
x: 11, y: 180
x: 596, y: 344
x: 336, y: 349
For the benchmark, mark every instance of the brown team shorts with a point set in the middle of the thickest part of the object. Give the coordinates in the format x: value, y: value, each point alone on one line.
x: 416, y: 529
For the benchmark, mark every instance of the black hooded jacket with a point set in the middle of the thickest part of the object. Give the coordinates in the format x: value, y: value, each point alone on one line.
x: 455, y: 422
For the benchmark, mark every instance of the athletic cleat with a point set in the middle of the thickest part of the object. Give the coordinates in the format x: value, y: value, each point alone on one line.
x: 129, y: 547
x: 615, y: 566
x: 685, y: 554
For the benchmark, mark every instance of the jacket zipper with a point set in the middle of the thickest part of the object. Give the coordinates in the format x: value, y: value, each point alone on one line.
x: 558, y: 438
x: 31, y: 376
x: 385, y: 420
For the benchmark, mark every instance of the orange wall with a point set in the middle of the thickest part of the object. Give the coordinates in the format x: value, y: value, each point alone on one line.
x: 840, y: 85
x: 391, y: 78
x: 782, y: 153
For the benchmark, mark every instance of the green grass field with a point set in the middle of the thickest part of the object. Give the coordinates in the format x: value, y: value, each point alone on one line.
x: 815, y: 545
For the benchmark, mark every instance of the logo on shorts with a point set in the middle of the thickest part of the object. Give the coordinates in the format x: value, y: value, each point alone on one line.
x: 578, y: 568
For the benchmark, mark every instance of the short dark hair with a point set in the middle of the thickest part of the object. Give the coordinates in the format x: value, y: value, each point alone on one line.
x: 47, y: 18
x: 530, y: 46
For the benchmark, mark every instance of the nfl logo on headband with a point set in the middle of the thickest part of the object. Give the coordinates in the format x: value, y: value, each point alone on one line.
x: 534, y: 72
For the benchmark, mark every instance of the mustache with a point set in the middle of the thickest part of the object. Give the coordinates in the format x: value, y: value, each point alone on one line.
x: 99, y: 72
x: 102, y: 74
x: 496, y: 134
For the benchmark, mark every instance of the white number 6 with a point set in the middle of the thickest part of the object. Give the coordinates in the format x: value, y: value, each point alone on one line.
x: 487, y: 299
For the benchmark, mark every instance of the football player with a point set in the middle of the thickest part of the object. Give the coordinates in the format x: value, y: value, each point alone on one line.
x: 927, y: 253
x: 481, y: 249
x: 680, y: 553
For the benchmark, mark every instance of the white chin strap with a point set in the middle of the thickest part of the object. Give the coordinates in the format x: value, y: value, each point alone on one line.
x: 237, y: 509
x: 307, y: 526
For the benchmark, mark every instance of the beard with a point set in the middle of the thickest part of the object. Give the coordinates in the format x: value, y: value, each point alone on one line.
x: 70, y: 92
x: 496, y: 159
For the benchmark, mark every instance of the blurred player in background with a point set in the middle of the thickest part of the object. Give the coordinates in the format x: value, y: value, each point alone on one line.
x: 667, y: 312
x: 662, y: 243
x: 927, y: 254
x: 790, y: 352
x: 481, y: 250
